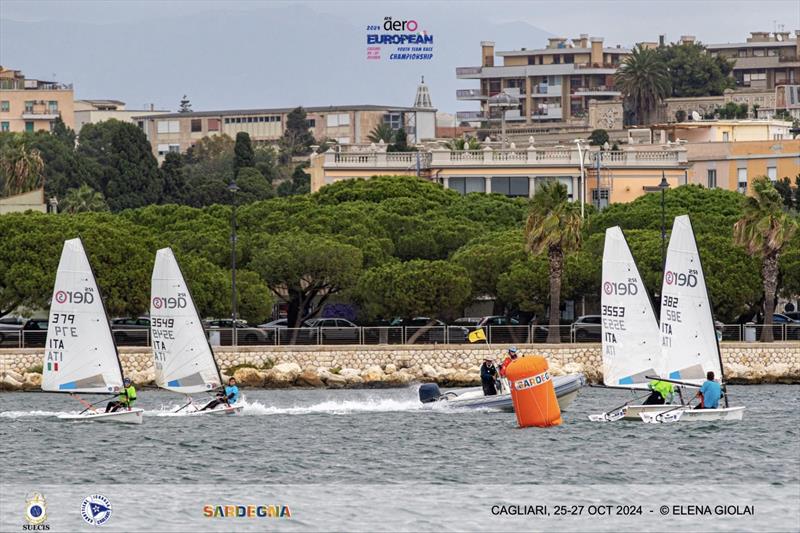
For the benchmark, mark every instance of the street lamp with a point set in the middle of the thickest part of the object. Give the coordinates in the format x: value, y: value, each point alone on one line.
x: 504, y: 101
x: 664, y: 185
x: 583, y: 176
x: 233, y: 188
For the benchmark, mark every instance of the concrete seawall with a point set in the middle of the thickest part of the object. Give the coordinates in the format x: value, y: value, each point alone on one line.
x: 398, y: 365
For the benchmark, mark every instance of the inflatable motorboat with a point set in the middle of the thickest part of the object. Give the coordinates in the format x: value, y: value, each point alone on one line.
x: 567, y: 388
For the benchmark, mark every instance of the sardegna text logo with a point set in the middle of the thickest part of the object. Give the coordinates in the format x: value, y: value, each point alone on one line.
x: 170, y: 302
x: 681, y: 279
x: 75, y: 297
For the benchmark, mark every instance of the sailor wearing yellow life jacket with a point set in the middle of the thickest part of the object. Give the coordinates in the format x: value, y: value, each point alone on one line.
x: 661, y: 392
x: 126, y: 397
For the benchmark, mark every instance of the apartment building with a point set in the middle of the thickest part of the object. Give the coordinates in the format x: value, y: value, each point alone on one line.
x: 176, y: 132
x: 555, y: 84
x: 764, y: 61
x: 610, y: 176
x: 707, y: 131
x: 94, y: 111
x: 734, y: 165
x: 31, y: 105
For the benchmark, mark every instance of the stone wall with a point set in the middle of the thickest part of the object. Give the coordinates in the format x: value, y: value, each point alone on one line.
x: 399, y: 365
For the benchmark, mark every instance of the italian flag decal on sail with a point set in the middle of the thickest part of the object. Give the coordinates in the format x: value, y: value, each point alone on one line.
x: 52, y: 367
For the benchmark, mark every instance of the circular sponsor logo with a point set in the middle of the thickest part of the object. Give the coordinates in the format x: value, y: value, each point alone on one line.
x: 157, y: 302
x: 670, y: 278
x: 608, y: 287
x: 35, y: 509
x: 96, y: 509
x: 61, y: 297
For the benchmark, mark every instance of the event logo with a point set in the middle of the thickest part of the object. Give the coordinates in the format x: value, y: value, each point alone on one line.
x: 75, y: 297
x: 247, y: 511
x: 96, y: 509
x: 170, y: 302
x: 621, y: 288
x: 534, y: 381
x: 35, y: 513
x: 681, y: 279
x: 403, y: 40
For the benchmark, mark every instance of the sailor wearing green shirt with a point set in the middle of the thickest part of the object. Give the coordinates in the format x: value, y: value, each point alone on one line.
x: 126, y: 397
x: 662, y: 393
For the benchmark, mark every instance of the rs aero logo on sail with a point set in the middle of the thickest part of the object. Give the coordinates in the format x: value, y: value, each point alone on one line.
x: 170, y: 302
x: 86, y: 296
x: 680, y: 279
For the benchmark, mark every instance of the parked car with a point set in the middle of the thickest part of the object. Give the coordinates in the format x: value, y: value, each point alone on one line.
x: 335, y: 330
x: 245, y: 333
x: 131, y: 331
x: 34, y: 332
x: 498, y: 328
x: 792, y: 326
x: 431, y: 330
x: 794, y: 315
x: 279, y: 323
x: 10, y: 327
x: 587, y: 327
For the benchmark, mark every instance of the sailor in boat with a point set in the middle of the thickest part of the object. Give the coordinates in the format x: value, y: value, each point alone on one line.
x: 488, y: 377
x: 127, y: 396
x: 512, y: 355
x: 710, y: 393
x: 661, y: 393
x: 230, y: 396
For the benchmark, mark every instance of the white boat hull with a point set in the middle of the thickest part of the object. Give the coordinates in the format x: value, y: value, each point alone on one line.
x: 697, y: 415
x: 225, y: 410
x: 132, y: 416
x: 632, y: 411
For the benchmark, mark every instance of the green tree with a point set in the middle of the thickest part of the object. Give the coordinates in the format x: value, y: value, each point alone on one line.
x: 381, y: 132
x: 63, y: 133
x: 21, y: 166
x: 413, y: 288
x: 64, y: 169
x: 297, y: 138
x: 82, y: 199
x: 599, y: 137
x: 304, y: 270
x: 300, y: 183
x: 787, y: 192
x: 211, y: 148
x: 460, y: 143
x: 253, y: 186
x: 173, y: 180
x: 694, y: 72
x: 553, y: 227
x: 644, y: 80
x: 121, y: 160
x: 243, y: 155
x: 400, y: 142
x: 185, y: 105
x: 764, y: 230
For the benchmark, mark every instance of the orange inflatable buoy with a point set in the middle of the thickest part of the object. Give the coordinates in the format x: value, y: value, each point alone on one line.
x: 533, y: 393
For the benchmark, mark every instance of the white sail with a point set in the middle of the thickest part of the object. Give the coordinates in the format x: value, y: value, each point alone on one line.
x: 688, y: 337
x: 182, y: 358
x: 630, y: 335
x: 80, y: 355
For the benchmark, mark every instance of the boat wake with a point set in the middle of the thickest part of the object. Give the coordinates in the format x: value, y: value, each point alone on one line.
x: 26, y: 414
x: 333, y: 407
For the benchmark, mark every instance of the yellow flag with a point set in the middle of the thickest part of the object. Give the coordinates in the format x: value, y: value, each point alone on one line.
x: 477, y: 335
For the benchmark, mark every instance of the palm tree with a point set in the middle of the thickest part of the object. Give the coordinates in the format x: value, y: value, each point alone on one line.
x: 644, y: 80
x: 553, y: 226
x: 381, y: 132
x: 764, y: 229
x: 458, y: 144
x: 21, y: 167
x: 82, y: 199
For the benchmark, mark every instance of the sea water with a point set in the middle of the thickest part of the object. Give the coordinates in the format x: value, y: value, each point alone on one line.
x: 364, y: 460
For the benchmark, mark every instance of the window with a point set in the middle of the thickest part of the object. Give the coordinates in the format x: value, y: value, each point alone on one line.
x: 29, y: 126
x: 772, y: 172
x: 517, y: 186
x: 725, y: 136
x: 197, y: 125
x: 168, y: 126
x: 712, y: 178
x: 311, y: 123
x: 741, y: 178
x: 467, y: 185
x: 343, y: 140
x: 394, y: 120
x: 600, y: 200
x: 175, y: 148
x: 29, y: 106
x: 4, y: 126
x: 227, y: 120
x: 52, y: 106
x: 140, y: 123
x: 5, y: 106
x: 213, y: 124
x: 338, y: 119
x: 758, y: 52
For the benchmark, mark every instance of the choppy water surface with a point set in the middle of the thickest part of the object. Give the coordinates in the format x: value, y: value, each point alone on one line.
x: 383, y: 437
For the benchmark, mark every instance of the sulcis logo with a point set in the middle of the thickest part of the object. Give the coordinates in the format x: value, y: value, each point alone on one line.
x: 75, y: 297
x: 35, y: 513
x: 96, y: 509
x: 170, y: 302
x: 680, y: 279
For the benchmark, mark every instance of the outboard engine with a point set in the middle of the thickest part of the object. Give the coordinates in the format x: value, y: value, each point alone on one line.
x: 429, y: 392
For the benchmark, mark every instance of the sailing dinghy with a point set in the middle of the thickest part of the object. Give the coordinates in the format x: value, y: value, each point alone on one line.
x: 182, y: 356
x: 80, y: 354
x: 688, y: 338
x: 631, y: 341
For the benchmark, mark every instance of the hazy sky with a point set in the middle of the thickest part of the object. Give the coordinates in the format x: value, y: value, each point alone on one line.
x: 239, y: 54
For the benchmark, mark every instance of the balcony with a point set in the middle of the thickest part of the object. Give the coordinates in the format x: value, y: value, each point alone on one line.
x: 628, y: 158
x: 597, y: 65
x: 547, y: 114
x: 469, y: 116
x: 33, y: 85
x: 470, y: 94
x: 377, y: 160
x: 468, y: 72
x: 600, y: 90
